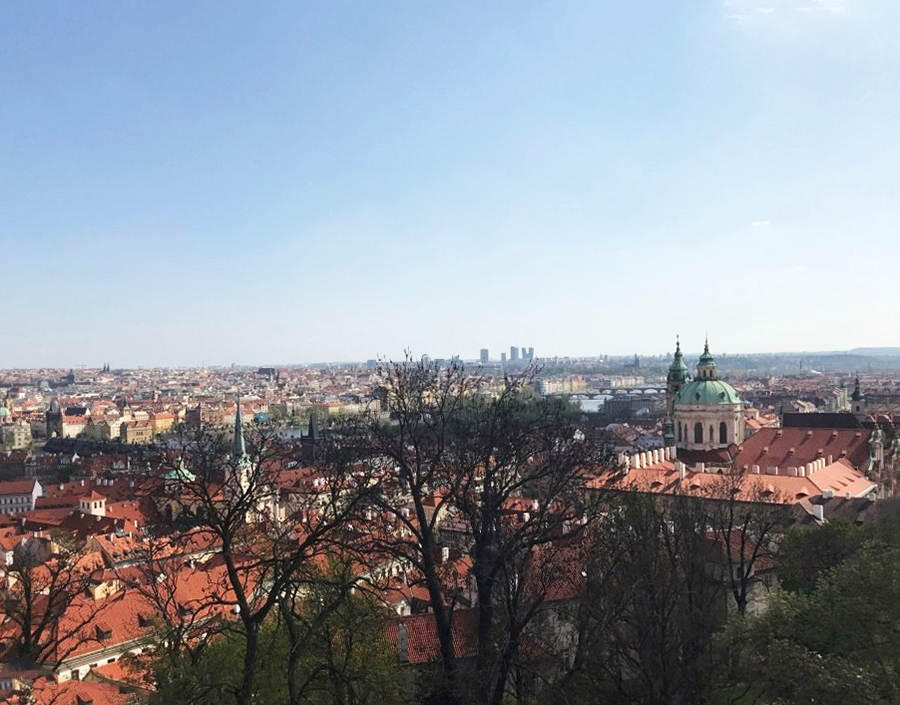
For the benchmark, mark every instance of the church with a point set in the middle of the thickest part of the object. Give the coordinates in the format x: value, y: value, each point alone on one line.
x: 705, y: 414
x: 809, y: 457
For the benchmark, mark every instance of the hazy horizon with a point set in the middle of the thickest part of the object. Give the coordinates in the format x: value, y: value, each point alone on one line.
x: 218, y: 183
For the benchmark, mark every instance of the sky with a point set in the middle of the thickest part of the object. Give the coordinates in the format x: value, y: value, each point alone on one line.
x: 208, y: 183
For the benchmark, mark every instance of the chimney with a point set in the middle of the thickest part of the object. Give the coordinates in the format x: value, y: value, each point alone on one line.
x: 829, y: 460
x: 818, y: 512
x: 754, y: 469
x: 445, y: 554
x: 682, y: 470
x: 871, y: 496
x: 827, y: 494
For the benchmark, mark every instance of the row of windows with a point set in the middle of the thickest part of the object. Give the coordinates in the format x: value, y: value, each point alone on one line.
x: 14, y: 500
x: 698, y: 433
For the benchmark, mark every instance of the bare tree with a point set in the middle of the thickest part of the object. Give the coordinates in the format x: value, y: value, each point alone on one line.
x: 237, y: 492
x: 46, y: 600
x: 507, y: 467
x: 519, y: 468
x: 745, y: 520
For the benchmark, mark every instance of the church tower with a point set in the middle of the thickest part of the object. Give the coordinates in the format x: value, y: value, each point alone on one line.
x: 708, y: 411
x: 309, y: 442
x: 678, y: 376
x: 54, y: 419
x: 237, y: 474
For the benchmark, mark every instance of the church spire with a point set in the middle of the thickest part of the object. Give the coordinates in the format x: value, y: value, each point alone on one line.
x: 238, y: 447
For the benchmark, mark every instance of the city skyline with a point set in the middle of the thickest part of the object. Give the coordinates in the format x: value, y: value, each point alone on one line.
x: 211, y: 183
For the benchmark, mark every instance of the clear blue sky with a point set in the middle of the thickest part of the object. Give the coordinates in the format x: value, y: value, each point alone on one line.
x: 187, y: 182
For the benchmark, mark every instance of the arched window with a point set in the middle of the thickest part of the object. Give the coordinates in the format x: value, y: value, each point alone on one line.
x: 712, y: 434
x: 723, y: 433
x: 698, y: 432
x: 679, y: 433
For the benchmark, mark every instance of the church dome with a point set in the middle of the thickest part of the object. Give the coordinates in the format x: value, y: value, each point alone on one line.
x: 707, y: 392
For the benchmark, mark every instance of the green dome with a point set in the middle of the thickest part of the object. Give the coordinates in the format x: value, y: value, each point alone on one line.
x: 708, y: 391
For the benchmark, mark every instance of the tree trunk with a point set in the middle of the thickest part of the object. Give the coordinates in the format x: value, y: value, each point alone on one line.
x: 251, y: 662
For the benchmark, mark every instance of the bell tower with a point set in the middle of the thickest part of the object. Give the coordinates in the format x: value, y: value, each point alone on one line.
x: 676, y: 379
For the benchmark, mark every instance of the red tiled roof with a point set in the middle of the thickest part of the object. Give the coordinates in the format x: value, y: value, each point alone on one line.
x: 17, y: 486
x: 784, y: 447
x: 422, y: 638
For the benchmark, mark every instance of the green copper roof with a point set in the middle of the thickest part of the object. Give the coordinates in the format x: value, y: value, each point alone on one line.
x: 180, y: 474
x: 678, y: 371
x: 857, y: 394
x: 708, y: 391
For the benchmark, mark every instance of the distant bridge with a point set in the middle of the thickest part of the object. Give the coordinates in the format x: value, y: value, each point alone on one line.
x: 620, y: 392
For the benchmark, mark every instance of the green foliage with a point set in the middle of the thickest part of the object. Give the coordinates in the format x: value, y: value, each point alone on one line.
x: 806, y: 554
x: 836, y: 644
x: 346, y: 660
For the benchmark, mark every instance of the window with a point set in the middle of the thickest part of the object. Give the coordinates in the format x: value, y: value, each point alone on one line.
x: 679, y: 433
x: 723, y: 433
x: 698, y: 432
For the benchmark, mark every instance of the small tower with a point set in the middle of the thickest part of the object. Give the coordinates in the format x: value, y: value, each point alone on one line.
x: 93, y: 504
x: 54, y: 419
x: 310, y: 441
x: 858, y: 401
x: 669, y: 432
x: 706, y: 365
x: 678, y: 376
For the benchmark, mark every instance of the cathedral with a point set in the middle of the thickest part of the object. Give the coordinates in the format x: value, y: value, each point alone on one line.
x: 705, y: 415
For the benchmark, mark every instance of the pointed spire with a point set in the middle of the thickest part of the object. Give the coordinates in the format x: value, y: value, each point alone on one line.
x: 309, y: 442
x: 238, y: 447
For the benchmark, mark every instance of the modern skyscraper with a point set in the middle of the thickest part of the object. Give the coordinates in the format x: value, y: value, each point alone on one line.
x: 513, y: 353
x: 484, y: 356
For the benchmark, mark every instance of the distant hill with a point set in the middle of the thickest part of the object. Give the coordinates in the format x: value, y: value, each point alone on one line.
x: 876, y: 352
